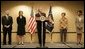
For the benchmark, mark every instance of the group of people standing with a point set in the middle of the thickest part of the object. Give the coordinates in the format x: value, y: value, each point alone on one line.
x: 7, y: 22
x: 79, y: 21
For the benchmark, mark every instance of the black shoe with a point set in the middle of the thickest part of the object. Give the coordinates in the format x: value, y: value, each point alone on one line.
x: 80, y: 43
x: 22, y: 44
x: 77, y: 43
x: 9, y: 43
x: 43, y: 47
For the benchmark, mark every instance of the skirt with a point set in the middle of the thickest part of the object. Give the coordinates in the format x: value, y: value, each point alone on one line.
x: 21, y: 30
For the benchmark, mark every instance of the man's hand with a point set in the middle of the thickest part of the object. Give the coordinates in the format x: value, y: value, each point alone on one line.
x: 7, y: 26
x: 79, y: 28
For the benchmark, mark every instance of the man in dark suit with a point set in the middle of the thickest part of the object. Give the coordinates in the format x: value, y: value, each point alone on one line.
x: 7, y: 27
x: 39, y: 28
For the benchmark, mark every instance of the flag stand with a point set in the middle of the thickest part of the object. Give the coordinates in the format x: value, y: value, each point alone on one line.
x: 31, y: 39
x: 50, y: 37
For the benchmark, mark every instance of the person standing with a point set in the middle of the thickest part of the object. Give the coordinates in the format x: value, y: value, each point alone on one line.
x: 7, y: 22
x: 63, y: 27
x: 79, y: 26
x: 39, y: 27
x: 21, y: 22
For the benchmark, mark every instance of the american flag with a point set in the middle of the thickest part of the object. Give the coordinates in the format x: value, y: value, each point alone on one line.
x: 50, y: 25
x: 32, y: 23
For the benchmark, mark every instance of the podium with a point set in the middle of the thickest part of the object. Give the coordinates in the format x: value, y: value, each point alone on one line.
x: 42, y: 19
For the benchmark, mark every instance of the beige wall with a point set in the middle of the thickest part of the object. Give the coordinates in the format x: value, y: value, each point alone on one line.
x: 70, y: 7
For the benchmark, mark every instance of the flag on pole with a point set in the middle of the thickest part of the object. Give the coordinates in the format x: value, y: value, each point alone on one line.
x: 50, y: 24
x: 32, y: 23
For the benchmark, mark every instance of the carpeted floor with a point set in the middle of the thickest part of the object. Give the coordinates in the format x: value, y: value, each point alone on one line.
x: 49, y: 45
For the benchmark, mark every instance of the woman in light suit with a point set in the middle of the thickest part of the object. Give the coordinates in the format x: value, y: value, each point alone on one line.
x: 79, y: 26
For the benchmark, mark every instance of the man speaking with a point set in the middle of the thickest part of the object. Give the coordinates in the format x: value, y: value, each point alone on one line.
x: 41, y: 27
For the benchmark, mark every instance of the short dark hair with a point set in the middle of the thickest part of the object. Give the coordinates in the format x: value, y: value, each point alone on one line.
x: 20, y: 11
x: 80, y: 11
x: 63, y: 13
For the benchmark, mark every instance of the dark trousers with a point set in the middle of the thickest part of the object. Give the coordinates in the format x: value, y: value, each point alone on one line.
x: 40, y: 38
x: 40, y: 34
x: 63, y: 33
x: 5, y: 31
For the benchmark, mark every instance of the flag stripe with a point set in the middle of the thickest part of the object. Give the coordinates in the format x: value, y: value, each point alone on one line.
x: 30, y: 20
x: 32, y: 23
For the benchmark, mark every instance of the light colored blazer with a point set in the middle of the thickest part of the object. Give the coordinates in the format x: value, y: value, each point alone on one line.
x: 79, y: 24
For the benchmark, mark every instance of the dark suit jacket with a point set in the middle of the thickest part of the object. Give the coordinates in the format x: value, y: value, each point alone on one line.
x: 6, y: 21
x: 39, y: 25
x: 21, y: 24
x: 38, y: 15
